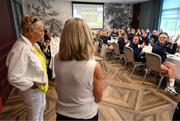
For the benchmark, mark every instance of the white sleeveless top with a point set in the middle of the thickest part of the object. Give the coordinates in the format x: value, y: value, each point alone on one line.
x: 74, y: 87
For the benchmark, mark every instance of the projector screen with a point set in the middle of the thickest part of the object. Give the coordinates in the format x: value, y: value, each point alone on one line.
x: 92, y: 13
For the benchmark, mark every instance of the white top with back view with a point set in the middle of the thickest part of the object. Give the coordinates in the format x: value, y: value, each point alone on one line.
x: 74, y: 84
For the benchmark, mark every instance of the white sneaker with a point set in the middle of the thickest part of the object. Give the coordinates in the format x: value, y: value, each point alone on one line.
x: 170, y: 90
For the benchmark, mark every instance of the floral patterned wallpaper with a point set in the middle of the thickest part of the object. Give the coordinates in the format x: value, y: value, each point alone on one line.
x: 45, y: 11
x: 118, y: 15
x: 50, y: 11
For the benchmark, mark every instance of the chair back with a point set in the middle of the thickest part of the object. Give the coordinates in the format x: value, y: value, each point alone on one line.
x: 96, y: 47
x: 153, y: 62
x: 103, y: 51
x: 129, y: 55
x: 116, y: 48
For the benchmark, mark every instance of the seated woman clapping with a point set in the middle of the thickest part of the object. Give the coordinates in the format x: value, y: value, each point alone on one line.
x: 162, y: 47
x: 138, y: 56
x: 122, y: 41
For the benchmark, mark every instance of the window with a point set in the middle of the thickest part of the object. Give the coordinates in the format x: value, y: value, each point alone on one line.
x: 170, y: 17
x: 17, y: 13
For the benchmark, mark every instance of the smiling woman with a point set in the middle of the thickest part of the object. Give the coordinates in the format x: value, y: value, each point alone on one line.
x: 162, y: 47
x: 27, y: 67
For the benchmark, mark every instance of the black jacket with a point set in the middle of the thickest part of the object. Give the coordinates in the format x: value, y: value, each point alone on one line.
x: 163, y: 49
x: 121, y: 43
x: 137, y: 52
x: 105, y: 39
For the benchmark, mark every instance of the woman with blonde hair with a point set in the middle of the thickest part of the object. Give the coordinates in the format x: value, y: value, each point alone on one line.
x: 27, y: 67
x: 78, y: 79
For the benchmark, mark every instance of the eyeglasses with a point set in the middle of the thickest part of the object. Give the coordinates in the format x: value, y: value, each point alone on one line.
x: 163, y: 37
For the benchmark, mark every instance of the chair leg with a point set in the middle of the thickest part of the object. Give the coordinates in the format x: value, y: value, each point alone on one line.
x: 129, y: 69
x: 121, y: 58
x: 125, y: 65
x: 133, y: 71
x: 100, y: 62
x: 160, y: 81
x: 145, y: 76
x: 105, y: 66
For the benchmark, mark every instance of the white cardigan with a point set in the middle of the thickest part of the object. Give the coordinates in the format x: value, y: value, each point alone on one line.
x: 24, y: 68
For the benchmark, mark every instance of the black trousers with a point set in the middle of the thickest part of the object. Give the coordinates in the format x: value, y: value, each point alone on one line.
x: 176, y: 116
x: 60, y: 117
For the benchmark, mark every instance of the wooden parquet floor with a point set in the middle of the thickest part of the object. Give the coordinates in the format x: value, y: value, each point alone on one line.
x: 125, y: 99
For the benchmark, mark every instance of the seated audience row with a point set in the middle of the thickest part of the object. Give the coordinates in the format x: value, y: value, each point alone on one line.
x: 161, y: 47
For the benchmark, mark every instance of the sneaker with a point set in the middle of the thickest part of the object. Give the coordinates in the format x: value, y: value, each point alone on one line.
x: 170, y: 90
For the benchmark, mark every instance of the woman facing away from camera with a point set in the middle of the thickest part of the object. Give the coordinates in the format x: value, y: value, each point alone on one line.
x: 162, y: 47
x: 27, y: 67
x: 78, y: 79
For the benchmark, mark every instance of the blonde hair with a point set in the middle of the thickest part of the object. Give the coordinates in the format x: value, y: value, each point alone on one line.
x: 76, y: 41
x: 27, y: 22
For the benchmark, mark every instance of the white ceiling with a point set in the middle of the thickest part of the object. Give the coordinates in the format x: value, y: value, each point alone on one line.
x: 112, y: 1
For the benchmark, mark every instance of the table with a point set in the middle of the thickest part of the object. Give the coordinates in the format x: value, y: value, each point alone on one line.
x: 147, y: 49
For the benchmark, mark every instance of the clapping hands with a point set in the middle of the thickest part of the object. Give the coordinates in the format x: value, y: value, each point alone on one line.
x: 143, y: 45
x: 177, y: 37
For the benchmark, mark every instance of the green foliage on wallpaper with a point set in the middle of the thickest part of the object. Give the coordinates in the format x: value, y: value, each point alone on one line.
x: 118, y: 15
x: 44, y: 11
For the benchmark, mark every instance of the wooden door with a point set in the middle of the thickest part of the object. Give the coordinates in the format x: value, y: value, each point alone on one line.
x: 7, y: 39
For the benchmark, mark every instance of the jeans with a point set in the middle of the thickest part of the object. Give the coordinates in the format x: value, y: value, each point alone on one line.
x: 35, y: 102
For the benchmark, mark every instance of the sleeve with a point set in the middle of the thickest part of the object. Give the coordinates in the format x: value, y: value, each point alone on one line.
x: 158, y: 49
x: 136, y: 51
x: 17, y: 62
x: 173, y: 49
